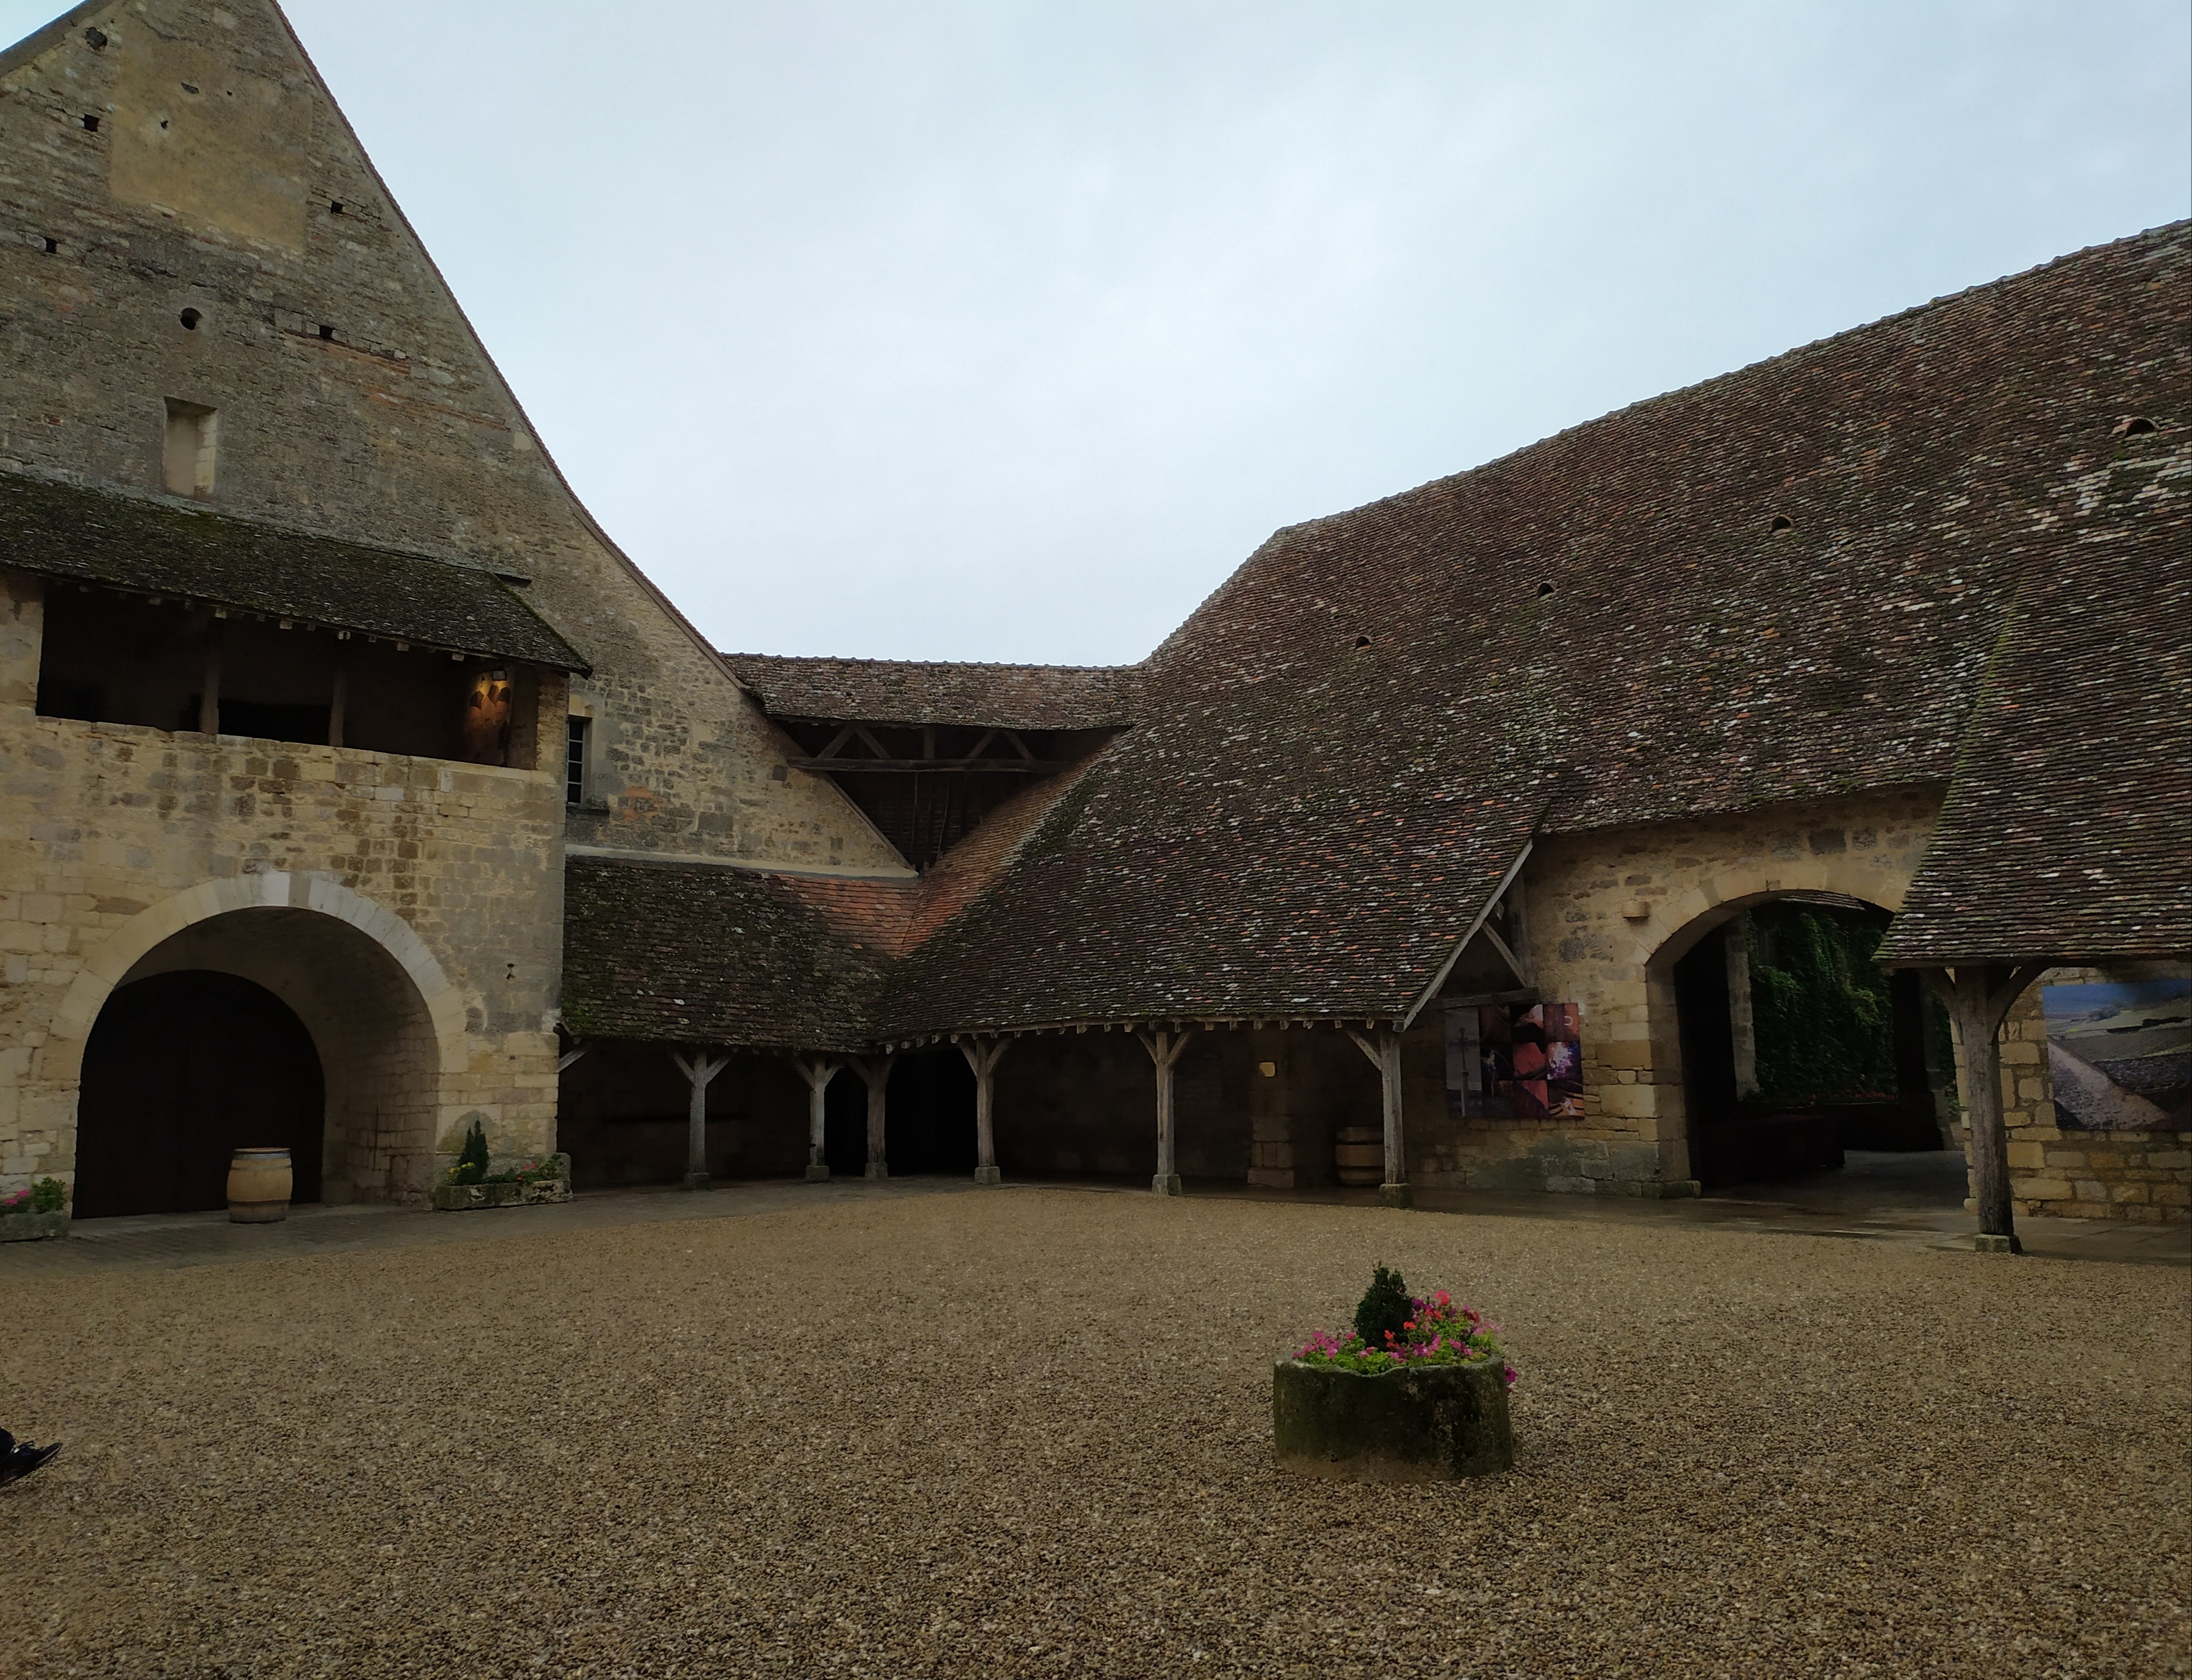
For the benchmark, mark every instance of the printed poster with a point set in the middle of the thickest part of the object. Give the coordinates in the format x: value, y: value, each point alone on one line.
x: 2120, y: 1053
x: 1514, y: 1060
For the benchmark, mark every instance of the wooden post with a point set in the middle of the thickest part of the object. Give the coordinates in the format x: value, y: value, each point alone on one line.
x: 699, y: 1073
x: 1978, y: 996
x: 817, y: 1071
x: 876, y: 1070
x: 1164, y: 1048
x: 338, y: 699
x: 1382, y: 1047
x: 983, y: 1056
x: 209, y: 685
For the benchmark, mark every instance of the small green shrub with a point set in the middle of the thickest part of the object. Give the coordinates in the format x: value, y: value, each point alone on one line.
x: 472, y: 1163
x: 48, y: 1196
x: 1386, y: 1305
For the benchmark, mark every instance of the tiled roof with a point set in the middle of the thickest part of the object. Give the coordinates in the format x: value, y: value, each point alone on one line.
x: 1781, y: 584
x: 704, y: 954
x: 914, y: 691
x: 71, y: 531
x: 2067, y: 832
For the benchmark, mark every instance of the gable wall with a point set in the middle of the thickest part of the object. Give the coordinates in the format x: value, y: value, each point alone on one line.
x: 395, y: 431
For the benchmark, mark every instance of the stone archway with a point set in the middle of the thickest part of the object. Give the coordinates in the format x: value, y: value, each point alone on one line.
x: 1736, y: 1129
x: 388, y: 1027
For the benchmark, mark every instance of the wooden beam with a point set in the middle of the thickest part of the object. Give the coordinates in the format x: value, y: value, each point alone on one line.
x: 876, y: 1071
x: 1382, y: 1047
x: 699, y: 1073
x: 1978, y: 996
x: 983, y: 1056
x: 1165, y: 1048
x: 817, y: 1071
x: 1037, y: 767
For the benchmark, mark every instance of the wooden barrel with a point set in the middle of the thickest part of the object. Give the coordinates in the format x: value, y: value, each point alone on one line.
x: 1359, y: 1153
x: 258, y: 1185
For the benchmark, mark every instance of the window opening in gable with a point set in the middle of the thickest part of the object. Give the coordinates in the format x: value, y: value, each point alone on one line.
x: 91, y: 123
x: 190, y: 448
x: 574, y: 763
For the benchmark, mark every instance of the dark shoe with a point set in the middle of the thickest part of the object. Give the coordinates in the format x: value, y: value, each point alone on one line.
x: 25, y: 1459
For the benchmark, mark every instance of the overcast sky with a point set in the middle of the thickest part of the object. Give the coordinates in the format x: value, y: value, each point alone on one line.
x: 1006, y: 330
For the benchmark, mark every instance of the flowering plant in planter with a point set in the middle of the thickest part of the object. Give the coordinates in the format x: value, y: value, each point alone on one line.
x: 1394, y: 1329
x: 46, y: 1195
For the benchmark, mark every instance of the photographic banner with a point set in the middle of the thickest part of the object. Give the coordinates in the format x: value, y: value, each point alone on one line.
x: 1521, y: 1061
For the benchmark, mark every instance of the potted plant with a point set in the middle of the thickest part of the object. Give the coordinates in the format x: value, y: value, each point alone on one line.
x: 474, y: 1183
x: 40, y: 1211
x: 1416, y: 1392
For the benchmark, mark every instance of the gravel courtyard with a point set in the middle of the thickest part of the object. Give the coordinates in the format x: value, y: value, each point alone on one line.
x: 1027, y: 1432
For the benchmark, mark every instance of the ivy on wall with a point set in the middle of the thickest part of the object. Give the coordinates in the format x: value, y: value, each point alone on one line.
x: 1820, y: 1006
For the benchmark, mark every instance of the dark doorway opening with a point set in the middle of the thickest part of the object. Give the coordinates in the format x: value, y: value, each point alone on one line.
x: 845, y: 1125
x: 181, y: 1070
x: 1796, y: 1048
x: 930, y: 1125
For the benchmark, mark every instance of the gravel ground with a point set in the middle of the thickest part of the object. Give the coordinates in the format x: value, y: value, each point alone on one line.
x: 1028, y: 1432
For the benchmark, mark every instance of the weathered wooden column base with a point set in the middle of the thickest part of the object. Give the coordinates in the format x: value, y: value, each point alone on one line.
x: 697, y: 1181
x: 817, y: 1172
x: 1165, y: 1048
x: 1987, y: 1243
x: 1396, y: 1194
x: 983, y: 1056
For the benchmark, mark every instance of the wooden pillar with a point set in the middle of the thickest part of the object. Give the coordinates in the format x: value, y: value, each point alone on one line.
x: 339, y: 696
x: 699, y: 1073
x: 983, y: 1056
x: 1164, y: 1048
x: 817, y: 1071
x: 209, y: 684
x: 1978, y: 996
x: 876, y: 1070
x: 1383, y: 1046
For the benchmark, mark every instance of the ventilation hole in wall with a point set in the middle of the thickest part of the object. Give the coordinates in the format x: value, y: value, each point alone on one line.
x: 164, y: 122
x: 1782, y: 522
x: 1361, y: 641
x: 189, y: 318
x: 334, y: 207
x: 2137, y: 426
x: 188, y: 89
x: 91, y: 123
x: 1544, y: 590
x: 52, y: 246
x: 95, y: 39
x: 327, y: 332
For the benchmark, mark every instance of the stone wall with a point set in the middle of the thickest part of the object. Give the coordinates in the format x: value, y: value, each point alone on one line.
x: 222, y: 184
x: 1608, y: 914
x: 407, y: 909
x: 2143, y: 1175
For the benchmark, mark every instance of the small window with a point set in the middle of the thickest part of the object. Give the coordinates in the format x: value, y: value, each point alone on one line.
x: 189, y: 451
x: 574, y: 763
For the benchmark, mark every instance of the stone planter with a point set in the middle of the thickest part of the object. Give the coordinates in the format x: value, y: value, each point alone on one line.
x: 29, y: 1227
x: 1423, y: 1423
x: 457, y: 1198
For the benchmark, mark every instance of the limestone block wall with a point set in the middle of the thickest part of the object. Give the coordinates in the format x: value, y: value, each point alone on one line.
x: 2144, y: 1176
x: 215, y: 182
x: 408, y: 909
x: 1609, y: 913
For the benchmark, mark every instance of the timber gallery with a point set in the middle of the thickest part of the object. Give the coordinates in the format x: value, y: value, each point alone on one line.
x: 1792, y: 763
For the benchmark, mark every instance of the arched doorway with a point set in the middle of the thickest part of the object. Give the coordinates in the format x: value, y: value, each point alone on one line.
x: 380, y: 1019
x: 1796, y: 1050
x: 181, y: 1070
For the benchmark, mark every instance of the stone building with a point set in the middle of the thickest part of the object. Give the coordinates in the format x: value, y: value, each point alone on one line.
x: 358, y: 788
